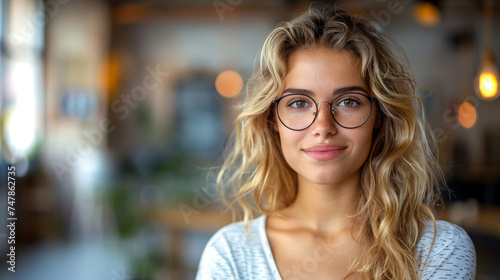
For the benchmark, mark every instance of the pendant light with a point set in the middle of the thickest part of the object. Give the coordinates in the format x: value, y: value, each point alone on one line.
x: 486, y: 82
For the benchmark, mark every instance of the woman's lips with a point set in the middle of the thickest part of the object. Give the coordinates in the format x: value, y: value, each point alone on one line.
x: 323, y: 153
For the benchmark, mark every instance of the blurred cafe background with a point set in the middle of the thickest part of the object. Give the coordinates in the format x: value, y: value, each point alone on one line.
x: 115, y: 113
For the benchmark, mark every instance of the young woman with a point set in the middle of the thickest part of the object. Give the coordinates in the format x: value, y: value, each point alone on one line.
x: 333, y: 153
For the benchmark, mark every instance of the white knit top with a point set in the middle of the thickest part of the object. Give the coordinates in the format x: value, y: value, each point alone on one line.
x: 231, y: 254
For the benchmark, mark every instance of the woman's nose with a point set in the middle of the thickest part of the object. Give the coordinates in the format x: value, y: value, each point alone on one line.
x: 325, y: 123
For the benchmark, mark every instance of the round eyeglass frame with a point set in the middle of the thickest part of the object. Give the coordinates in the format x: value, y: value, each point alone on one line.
x: 277, y: 101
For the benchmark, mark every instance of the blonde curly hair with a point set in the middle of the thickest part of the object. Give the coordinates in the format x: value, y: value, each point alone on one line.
x: 401, y: 181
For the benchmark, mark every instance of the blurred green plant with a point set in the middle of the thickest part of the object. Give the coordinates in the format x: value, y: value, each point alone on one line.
x: 175, y: 177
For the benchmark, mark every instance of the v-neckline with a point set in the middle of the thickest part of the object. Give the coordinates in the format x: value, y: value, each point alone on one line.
x: 267, y: 249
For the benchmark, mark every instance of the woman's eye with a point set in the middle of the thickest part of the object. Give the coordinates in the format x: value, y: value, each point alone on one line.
x: 349, y: 102
x: 299, y: 104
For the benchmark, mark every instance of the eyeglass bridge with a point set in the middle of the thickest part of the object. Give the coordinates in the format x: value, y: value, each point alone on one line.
x: 331, y: 108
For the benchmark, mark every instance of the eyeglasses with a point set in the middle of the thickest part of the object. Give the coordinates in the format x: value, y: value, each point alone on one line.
x: 299, y: 111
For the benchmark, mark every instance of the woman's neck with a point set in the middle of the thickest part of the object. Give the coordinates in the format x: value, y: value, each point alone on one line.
x: 325, y: 209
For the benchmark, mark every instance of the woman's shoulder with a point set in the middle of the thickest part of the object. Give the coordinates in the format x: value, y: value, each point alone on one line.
x: 233, y: 253
x: 446, y: 248
x: 446, y: 234
x: 237, y: 231
x: 234, y: 237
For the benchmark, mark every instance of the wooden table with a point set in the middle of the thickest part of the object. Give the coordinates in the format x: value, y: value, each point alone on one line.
x: 209, y: 220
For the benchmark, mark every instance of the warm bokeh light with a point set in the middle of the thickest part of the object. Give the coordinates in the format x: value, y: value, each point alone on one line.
x: 426, y: 13
x: 487, y: 82
x: 229, y: 84
x: 467, y: 115
x: 488, y: 85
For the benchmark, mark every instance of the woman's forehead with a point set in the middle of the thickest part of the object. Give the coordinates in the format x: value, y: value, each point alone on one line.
x: 322, y: 69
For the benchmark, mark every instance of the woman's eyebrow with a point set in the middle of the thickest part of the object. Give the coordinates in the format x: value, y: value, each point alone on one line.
x: 348, y: 89
x: 298, y: 91
x: 335, y: 92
